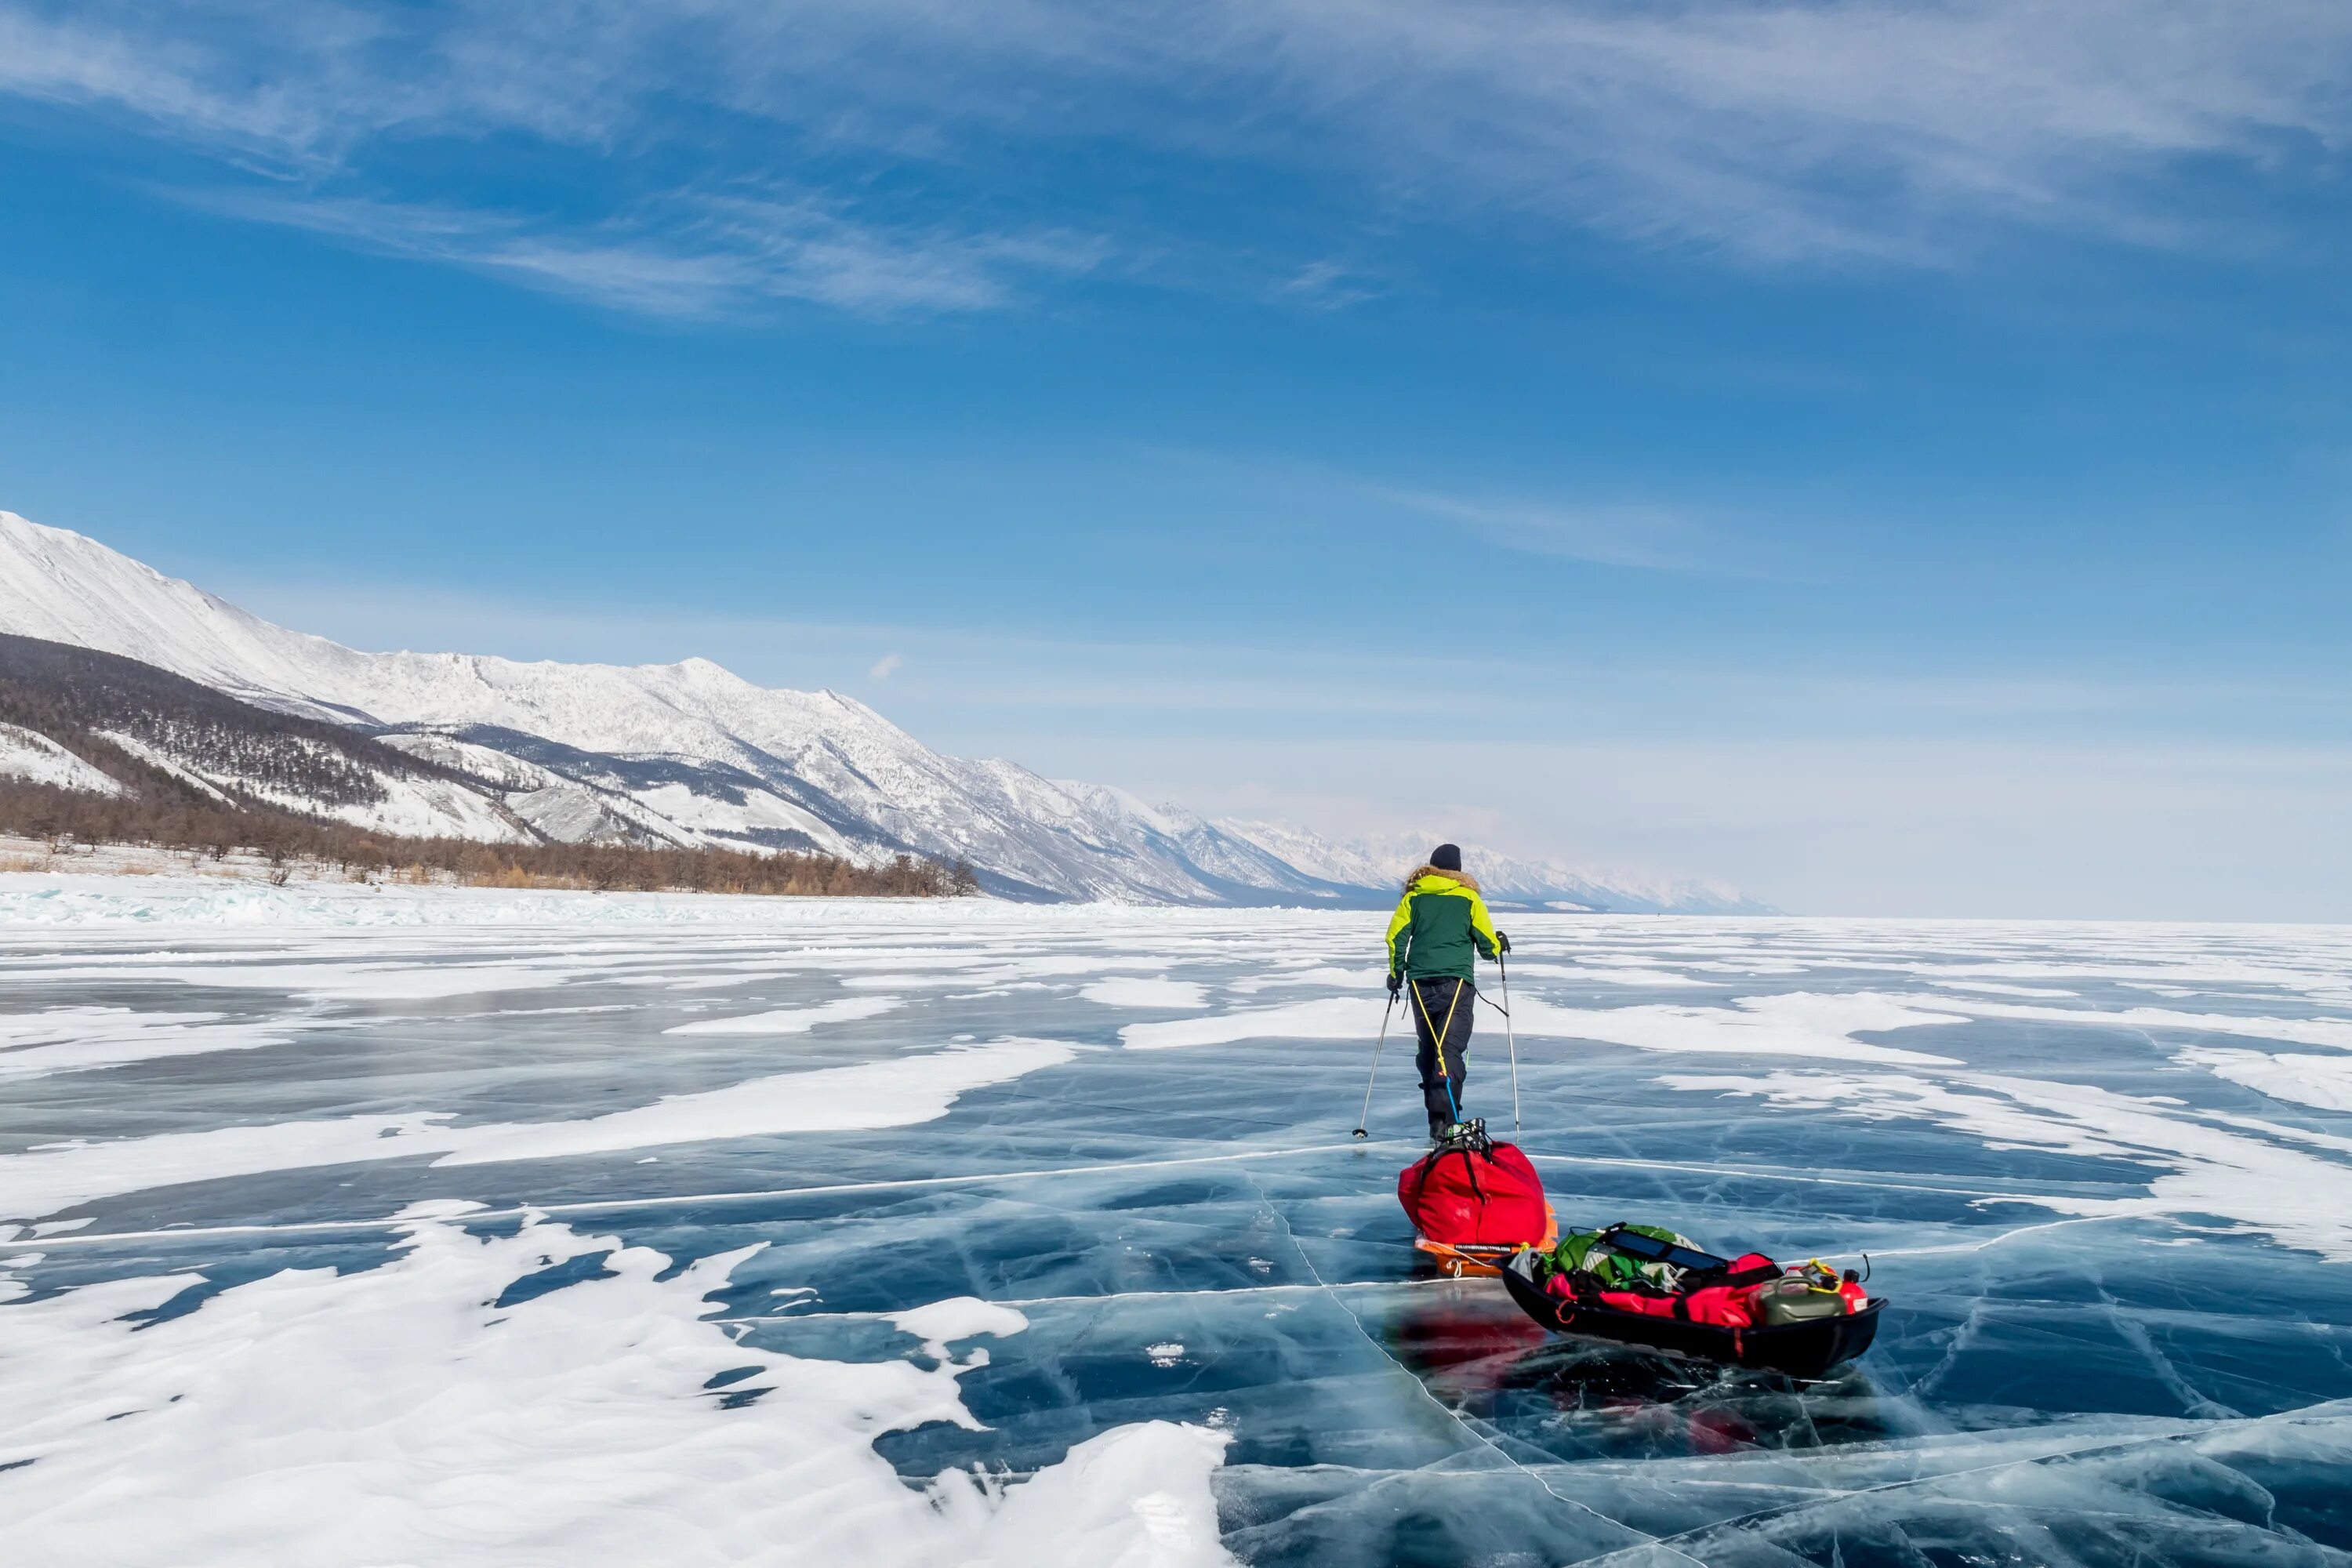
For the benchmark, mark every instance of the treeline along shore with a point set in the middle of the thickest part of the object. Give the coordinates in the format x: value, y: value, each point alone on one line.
x: 62, y: 818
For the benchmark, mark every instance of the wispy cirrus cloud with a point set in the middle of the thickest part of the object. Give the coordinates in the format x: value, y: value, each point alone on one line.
x: 690, y: 253
x: 1539, y: 515
x: 1613, y: 535
x: 1783, y: 132
x: 1816, y: 129
x: 320, y: 101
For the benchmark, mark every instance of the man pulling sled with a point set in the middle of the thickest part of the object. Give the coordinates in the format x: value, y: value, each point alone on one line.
x: 1440, y: 930
x: 1472, y: 1200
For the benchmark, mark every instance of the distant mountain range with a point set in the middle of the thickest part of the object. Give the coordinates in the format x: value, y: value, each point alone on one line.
x: 471, y: 746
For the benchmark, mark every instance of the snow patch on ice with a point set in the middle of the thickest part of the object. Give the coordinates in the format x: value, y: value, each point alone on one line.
x: 1797, y: 1024
x: 2324, y: 1082
x: 895, y: 980
x: 75, y: 1039
x: 1324, y: 1019
x: 792, y: 1020
x: 939, y: 1323
x: 2336, y: 1032
x: 395, y: 1415
x: 343, y: 982
x: 2262, y: 1185
x: 1138, y: 991
x: 1324, y: 975
x: 1992, y: 988
x: 1800, y: 1023
x: 1610, y: 974
x: 897, y: 1092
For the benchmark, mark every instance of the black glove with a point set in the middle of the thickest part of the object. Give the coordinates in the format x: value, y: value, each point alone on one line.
x: 1502, y: 942
x: 1396, y: 983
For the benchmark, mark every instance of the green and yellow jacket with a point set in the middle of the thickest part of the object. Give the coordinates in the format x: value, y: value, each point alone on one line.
x: 1439, y: 924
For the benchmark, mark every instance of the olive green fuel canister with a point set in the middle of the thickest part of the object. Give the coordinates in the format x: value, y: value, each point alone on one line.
x: 1791, y: 1300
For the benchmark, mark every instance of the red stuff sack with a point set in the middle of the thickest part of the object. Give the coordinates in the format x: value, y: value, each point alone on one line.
x: 1476, y: 1197
x: 1725, y: 1306
x: 1717, y: 1304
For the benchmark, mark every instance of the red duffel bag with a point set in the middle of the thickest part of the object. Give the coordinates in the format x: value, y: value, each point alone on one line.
x: 1483, y: 1196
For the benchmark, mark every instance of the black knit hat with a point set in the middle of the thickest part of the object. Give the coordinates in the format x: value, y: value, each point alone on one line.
x: 1446, y: 856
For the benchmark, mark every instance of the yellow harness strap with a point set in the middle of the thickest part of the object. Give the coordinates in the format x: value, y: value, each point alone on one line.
x: 1437, y: 1035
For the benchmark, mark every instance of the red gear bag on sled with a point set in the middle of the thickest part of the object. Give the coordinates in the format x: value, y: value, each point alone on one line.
x: 1473, y: 1205
x: 1724, y: 1305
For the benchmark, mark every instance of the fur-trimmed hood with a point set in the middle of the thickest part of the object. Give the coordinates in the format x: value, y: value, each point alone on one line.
x: 1425, y: 869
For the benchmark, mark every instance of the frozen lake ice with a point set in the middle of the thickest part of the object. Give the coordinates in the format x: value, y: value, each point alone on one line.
x: 474, y: 1228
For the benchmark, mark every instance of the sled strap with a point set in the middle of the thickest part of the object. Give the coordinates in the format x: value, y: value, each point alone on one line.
x: 1470, y: 1169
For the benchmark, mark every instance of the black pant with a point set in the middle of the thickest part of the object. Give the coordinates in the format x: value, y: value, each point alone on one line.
x: 1440, y: 1021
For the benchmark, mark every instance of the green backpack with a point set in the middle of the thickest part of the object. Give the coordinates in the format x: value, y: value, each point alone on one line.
x: 1584, y: 1252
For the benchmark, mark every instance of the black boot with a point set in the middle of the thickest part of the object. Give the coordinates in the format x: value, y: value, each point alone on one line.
x: 1466, y: 1134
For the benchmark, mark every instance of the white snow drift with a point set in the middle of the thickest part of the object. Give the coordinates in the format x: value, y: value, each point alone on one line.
x: 399, y: 1415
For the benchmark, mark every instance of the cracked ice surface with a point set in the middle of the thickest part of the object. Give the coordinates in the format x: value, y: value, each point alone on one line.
x: 470, y: 1227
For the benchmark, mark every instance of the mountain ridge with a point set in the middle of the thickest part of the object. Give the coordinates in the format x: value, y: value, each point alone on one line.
x: 692, y: 753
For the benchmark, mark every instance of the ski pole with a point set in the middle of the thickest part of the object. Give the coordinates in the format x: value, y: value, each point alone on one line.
x: 1510, y: 1038
x: 1372, y: 1076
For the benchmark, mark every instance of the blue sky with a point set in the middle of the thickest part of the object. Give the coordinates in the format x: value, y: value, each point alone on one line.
x: 1891, y: 457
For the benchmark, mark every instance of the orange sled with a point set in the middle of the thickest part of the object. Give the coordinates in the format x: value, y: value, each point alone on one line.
x: 1467, y: 1258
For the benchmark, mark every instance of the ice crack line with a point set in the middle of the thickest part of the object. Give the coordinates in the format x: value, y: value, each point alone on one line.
x: 681, y: 1200
x: 1809, y: 1178
x: 1989, y: 1243
x: 2330, y: 1412
x: 786, y: 1315
x: 2134, y: 1333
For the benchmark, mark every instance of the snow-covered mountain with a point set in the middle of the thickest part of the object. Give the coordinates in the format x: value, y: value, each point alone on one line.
x: 1382, y: 862
x: 63, y: 710
x: 690, y: 754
